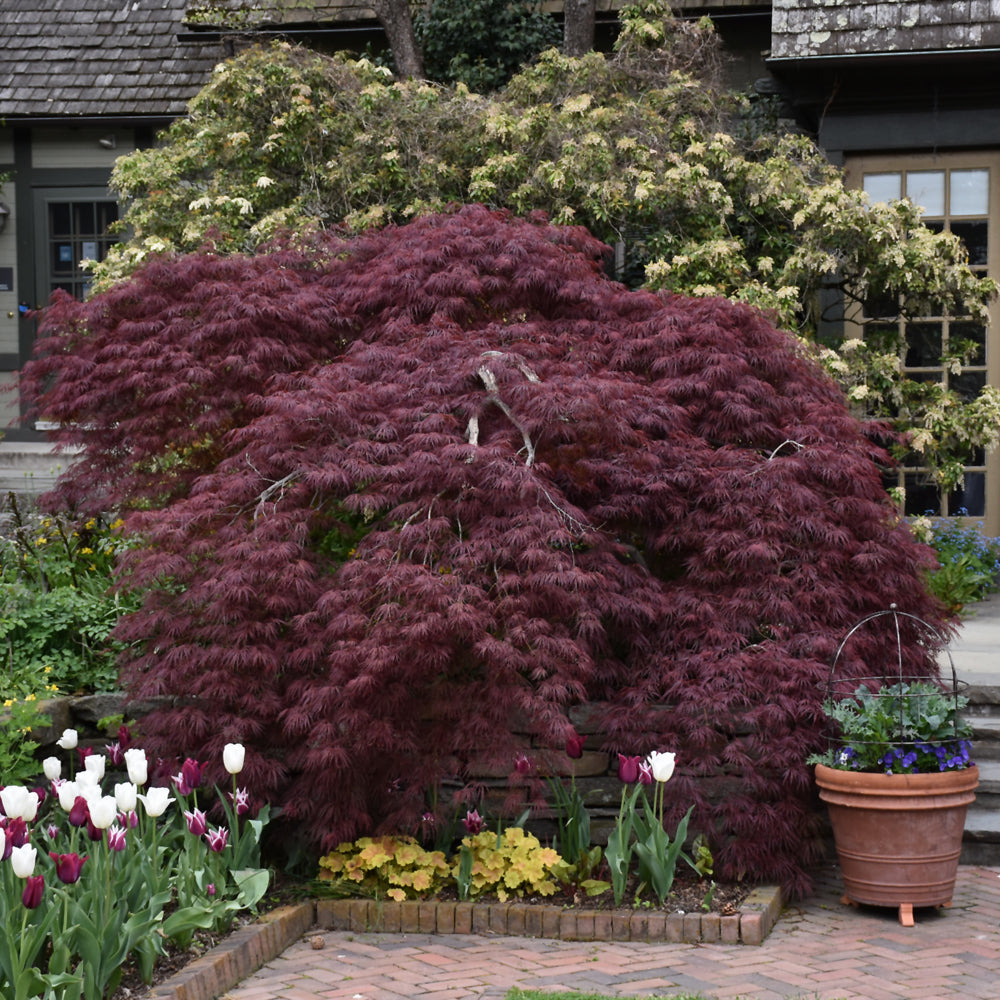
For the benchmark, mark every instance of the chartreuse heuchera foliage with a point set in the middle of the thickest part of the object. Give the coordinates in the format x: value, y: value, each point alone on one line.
x: 397, y: 491
x: 705, y: 192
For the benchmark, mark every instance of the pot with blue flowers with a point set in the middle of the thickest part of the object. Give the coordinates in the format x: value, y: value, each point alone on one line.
x: 897, y: 780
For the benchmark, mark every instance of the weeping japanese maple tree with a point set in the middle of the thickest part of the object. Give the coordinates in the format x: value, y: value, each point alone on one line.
x: 398, y: 492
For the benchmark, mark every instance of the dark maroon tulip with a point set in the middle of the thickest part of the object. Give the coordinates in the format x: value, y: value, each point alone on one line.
x: 628, y: 768
x: 80, y: 812
x: 34, y: 885
x: 574, y: 746
x: 68, y: 866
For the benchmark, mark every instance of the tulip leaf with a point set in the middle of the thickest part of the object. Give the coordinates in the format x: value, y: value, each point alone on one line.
x: 252, y: 884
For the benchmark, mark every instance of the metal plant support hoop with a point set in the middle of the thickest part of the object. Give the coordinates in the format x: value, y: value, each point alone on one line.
x: 877, y: 683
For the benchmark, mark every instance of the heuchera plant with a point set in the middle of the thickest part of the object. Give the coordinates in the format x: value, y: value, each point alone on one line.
x: 396, y: 492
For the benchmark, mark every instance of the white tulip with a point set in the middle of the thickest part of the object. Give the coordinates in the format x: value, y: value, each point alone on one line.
x: 87, y: 779
x: 52, y: 767
x: 94, y: 764
x: 19, y: 803
x: 232, y: 757
x: 68, y: 740
x: 126, y: 795
x: 135, y: 763
x: 68, y: 791
x: 662, y: 765
x: 155, y: 801
x: 22, y: 860
x: 103, y: 811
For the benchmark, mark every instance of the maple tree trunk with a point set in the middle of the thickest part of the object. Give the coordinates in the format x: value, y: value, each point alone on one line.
x: 578, y: 26
x: 396, y: 18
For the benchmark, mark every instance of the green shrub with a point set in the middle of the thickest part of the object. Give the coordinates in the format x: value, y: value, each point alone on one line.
x: 968, y: 560
x: 58, y: 608
x: 17, y: 748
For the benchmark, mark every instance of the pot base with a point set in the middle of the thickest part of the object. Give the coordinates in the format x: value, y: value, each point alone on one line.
x: 905, y: 909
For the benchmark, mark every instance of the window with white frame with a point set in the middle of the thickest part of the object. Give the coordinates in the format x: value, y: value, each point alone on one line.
x: 955, y: 195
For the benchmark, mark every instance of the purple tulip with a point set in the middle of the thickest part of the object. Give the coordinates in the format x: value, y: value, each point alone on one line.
x: 217, y: 839
x: 115, y: 753
x: 473, y: 822
x: 645, y: 774
x: 17, y: 833
x: 116, y: 838
x: 191, y: 772
x: 68, y: 866
x: 521, y: 764
x: 34, y: 885
x: 240, y: 800
x: 628, y: 768
x: 80, y: 812
x: 574, y: 746
x: 197, y: 822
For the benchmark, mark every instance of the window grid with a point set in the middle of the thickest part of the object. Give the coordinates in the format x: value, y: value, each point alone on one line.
x: 956, y: 200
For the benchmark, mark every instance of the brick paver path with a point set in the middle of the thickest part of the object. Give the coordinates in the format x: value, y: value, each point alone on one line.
x: 819, y: 949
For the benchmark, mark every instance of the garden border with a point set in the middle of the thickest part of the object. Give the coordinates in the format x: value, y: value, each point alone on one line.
x: 244, y: 951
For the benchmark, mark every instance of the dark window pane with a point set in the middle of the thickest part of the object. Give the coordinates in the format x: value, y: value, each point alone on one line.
x: 971, y: 498
x: 62, y: 257
x: 883, y: 306
x: 59, y: 224
x: 85, y: 218
x: 969, y: 384
x: 921, y: 496
x: 973, y: 332
x: 974, y: 236
x: 934, y: 227
x: 937, y: 376
x: 924, y: 345
x: 882, y: 336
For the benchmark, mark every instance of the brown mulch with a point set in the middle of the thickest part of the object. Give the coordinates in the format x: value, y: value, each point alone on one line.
x: 690, y: 894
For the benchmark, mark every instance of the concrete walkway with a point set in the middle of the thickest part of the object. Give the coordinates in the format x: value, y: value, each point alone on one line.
x: 820, y: 950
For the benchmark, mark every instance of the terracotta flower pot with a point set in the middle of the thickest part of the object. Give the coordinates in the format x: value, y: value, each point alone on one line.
x: 898, y: 836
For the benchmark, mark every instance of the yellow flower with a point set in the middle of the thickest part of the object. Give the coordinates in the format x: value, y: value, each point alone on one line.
x: 41, y: 540
x: 30, y: 697
x: 86, y: 551
x: 8, y: 703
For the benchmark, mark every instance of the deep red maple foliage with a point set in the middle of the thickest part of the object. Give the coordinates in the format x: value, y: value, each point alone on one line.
x: 399, y: 491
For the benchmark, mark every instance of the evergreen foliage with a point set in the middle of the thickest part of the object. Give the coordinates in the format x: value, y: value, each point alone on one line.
x: 482, y: 43
x: 398, y: 491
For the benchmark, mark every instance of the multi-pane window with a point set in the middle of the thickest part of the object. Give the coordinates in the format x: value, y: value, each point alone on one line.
x: 955, y: 199
x: 77, y: 231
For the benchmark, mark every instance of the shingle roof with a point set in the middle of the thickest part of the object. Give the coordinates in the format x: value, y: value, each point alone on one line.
x: 848, y: 27
x: 81, y: 58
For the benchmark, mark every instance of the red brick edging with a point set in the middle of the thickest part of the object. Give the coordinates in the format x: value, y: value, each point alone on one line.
x: 750, y: 925
x: 247, y: 949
